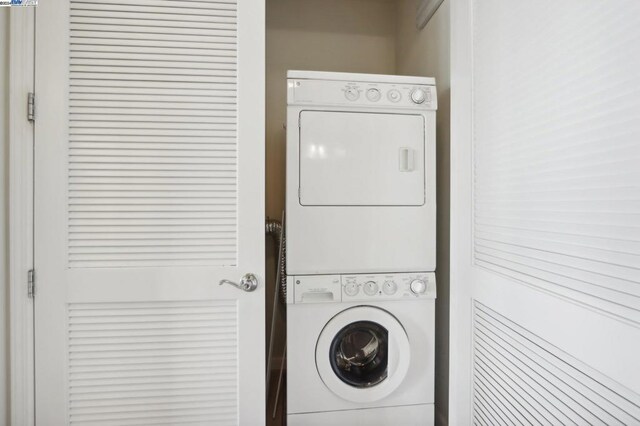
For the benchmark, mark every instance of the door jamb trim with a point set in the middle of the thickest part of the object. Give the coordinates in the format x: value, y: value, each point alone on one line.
x: 21, y: 150
x: 461, y: 227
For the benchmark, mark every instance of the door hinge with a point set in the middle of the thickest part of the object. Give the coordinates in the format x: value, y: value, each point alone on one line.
x: 31, y: 106
x: 31, y: 283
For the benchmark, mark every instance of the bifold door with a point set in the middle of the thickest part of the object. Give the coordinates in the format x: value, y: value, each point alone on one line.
x: 545, y: 231
x: 361, y: 159
x: 149, y: 191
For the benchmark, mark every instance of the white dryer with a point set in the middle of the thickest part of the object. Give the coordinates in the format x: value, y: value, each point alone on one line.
x: 360, y: 173
x: 361, y: 349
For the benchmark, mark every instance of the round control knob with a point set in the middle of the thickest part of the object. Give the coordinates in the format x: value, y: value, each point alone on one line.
x: 394, y: 95
x: 351, y: 289
x: 373, y: 95
x: 370, y: 288
x: 351, y: 93
x: 418, y: 286
x: 418, y: 96
x: 389, y: 287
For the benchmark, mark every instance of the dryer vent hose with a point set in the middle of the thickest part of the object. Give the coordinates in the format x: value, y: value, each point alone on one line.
x: 275, y: 229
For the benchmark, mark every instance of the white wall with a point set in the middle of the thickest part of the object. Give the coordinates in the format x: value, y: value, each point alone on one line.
x: 426, y: 53
x: 4, y: 205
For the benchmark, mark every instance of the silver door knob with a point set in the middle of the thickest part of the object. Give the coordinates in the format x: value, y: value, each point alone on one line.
x: 248, y: 282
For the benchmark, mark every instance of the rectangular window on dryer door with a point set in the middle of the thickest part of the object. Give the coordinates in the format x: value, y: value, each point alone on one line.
x: 361, y: 159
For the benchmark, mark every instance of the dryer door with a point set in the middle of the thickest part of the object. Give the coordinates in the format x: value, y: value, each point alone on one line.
x: 363, y: 354
x: 361, y: 159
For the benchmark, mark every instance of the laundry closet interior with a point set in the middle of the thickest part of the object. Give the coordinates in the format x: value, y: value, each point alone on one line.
x: 353, y: 36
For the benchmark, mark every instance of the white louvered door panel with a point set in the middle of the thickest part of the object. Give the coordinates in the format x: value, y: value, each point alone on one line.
x: 149, y: 190
x: 548, y: 213
x: 152, y: 163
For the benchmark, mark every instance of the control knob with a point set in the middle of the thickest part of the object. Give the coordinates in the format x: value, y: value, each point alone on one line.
x: 418, y: 96
x: 373, y: 95
x: 389, y: 287
x: 351, y: 93
x: 418, y: 286
x: 351, y: 289
x: 371, y: 288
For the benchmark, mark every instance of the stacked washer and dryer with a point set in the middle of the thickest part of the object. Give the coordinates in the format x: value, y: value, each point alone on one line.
x: 360, y: 228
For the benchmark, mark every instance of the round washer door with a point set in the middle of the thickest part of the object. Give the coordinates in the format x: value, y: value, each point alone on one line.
x: 363, y: 354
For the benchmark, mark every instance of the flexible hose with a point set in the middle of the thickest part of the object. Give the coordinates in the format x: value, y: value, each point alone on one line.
x: 275, y: 229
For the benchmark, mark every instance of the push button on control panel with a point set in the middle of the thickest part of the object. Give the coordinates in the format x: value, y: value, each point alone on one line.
x: 394, y: 95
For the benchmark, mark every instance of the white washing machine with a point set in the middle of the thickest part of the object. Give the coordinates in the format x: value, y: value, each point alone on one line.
x: 361, y: 177
x: 361, y: 349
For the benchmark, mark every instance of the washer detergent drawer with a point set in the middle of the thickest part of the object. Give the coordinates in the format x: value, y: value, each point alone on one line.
x: 361, y: 159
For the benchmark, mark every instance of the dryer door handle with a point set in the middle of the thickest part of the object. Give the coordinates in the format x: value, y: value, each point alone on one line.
x: 406, y: 159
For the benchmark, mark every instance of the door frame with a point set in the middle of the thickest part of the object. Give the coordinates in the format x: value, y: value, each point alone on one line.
x: 21, y: 143
x: 461, y: 250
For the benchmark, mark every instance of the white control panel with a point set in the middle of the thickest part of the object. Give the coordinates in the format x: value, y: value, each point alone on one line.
x: 369, y: 94
x: 388, y: 286
x: 361, y: 287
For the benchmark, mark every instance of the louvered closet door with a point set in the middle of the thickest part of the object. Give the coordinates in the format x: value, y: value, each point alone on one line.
x: 149, y: 191
x: 546, y: 202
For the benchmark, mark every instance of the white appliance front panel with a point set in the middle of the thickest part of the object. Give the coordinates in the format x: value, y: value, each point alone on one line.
x: 307, y: 392
x: 329, y: 239
x: 359, y: 288
x: 356, y: 93
x: 409, y: 415
x: 361, y: 159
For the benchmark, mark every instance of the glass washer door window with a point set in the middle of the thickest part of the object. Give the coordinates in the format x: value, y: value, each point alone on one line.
x: 359, y: 354
x: 363, y: 354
